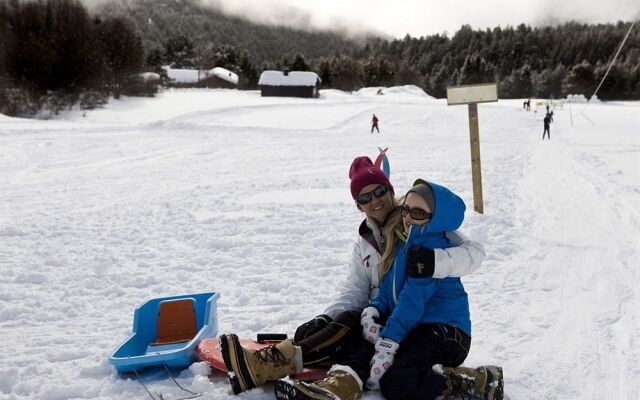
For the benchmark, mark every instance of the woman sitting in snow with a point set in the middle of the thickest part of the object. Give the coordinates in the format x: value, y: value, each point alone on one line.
x: 427, y: 329
x: 325, y: 338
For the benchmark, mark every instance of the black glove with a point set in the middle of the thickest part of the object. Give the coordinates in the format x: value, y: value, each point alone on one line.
x: 309, y: 328
x: 420, y: 262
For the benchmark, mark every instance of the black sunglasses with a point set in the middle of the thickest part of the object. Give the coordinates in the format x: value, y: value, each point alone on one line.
x: 365, y: 198
x: 416, y: 213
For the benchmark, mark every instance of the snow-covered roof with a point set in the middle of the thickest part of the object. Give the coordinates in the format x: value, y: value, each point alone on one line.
x: 149, y: 76
x: 293, y: 78
x: 183, y: 75
x: 224, y: 74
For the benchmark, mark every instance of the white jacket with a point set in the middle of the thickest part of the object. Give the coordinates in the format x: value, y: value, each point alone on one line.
x: 363, y: 278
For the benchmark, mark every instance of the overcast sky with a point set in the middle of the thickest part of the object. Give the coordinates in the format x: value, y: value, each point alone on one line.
x: 425, y: 17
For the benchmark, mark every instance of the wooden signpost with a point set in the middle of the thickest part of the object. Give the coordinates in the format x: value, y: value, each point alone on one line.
x: 472, y: 95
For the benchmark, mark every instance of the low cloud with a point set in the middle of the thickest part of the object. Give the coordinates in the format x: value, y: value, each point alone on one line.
x: 292, y: 14
x: 424, y: 17
x: 418, y: 17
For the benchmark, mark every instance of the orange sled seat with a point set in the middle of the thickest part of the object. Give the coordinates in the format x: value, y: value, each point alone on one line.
x: 176, y: 321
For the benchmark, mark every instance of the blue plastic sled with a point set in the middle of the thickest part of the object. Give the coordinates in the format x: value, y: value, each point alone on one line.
x: 166, y: 331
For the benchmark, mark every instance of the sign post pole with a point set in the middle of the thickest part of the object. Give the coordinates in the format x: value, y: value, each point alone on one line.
x: 476, y: 170
x: 472, y: 95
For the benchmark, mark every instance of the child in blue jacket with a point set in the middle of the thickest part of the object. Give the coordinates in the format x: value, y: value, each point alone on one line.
x: 427, y: 320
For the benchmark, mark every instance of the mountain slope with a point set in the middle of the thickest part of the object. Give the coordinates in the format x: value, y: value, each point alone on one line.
x: 157, y: 21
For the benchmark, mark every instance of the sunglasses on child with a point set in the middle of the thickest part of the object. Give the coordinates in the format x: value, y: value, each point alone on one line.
x: 365, y: 198
x: 416, y: 213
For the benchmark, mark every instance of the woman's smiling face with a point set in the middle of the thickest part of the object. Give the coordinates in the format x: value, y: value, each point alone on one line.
x: 379, y: 207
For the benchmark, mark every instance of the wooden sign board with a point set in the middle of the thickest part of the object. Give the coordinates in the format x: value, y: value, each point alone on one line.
x: 482, y: 93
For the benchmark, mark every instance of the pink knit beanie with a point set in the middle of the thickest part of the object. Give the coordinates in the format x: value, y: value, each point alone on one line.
x: 363, y: 172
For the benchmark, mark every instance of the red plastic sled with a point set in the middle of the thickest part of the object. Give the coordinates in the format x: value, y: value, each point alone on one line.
x: 208, y: 351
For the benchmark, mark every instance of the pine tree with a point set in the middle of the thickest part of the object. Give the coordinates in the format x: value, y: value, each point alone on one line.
x: 121, y: 49
x: 438, y: 82
x: 325, y: 73
x: 476, y: 70
x: 38, y: 31
x: 248, y: 71
x: 154, y: 59
x: 4, y: 16
x: 407, y: 75
x: 299, y: 64
x: 179, y: 52
x: 580, y: 80
x: 347, y: 73
x: 4, y: 32
x: 378, y: 72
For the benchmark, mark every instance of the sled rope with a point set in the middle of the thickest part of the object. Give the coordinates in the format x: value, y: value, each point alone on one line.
x: 139, y: 380
x: 160, y: 397
x: 193, y: 394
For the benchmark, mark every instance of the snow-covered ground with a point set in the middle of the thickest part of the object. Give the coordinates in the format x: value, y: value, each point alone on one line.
x: 222, y: 190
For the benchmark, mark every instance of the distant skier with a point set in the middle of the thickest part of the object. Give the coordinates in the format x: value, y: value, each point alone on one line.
x: 528, y: 104
x: 374, y: 124
x: 547, y: 121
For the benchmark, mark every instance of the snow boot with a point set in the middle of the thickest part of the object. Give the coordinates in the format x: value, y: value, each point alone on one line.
x: 250, y: 368
x: 341, y: 383
x: 481, y: 383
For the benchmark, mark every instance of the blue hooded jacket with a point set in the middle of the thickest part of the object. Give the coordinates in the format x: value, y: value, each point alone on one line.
x: 408, y: 301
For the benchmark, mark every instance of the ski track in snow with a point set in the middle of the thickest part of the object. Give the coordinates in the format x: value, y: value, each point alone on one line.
x: 220, y: 190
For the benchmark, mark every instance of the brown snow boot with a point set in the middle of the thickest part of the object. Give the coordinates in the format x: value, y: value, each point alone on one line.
x: 481, y: 383
x: 341, y: 383
x: 250, y: 368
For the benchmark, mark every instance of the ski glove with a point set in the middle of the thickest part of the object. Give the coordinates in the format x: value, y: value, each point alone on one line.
x: 370, y: 327
x: 311, y: 327
x: 420, y: 262
x: 381, y: 361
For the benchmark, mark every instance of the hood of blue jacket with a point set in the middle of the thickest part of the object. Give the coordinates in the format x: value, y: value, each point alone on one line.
x: 448, y: 211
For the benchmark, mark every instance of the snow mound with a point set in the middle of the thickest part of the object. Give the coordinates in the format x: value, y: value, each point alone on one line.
x: 331, y: 93
x: 576, y: 98
x: 411, y: 90
x: 406, y: 90
x: 580, y: 98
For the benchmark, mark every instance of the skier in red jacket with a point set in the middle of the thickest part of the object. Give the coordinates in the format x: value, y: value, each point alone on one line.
x: 374, y: 124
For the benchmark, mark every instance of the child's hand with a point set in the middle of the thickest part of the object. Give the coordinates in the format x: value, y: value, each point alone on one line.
x: 381, y: 361
x: 420, y: 262
x: 370, y: 328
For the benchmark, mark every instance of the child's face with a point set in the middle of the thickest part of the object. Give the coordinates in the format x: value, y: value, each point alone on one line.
x: 414, y: 204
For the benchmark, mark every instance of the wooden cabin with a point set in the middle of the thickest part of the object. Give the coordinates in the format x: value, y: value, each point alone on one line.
x: 289, y: 83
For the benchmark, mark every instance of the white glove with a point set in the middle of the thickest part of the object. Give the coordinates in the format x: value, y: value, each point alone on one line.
x: 370, y: 329
x: 381, y: 361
